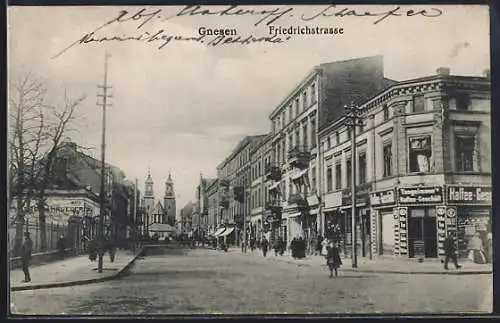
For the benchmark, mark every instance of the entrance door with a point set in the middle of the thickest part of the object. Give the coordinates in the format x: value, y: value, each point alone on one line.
x: 422, y: 233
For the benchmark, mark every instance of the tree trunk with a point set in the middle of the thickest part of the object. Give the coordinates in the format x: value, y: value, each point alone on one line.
x: 42, y: 222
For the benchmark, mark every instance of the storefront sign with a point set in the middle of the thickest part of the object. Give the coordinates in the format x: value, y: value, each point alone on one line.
x: 420, y: 195
x: 382, y: 198
x: 458, y: 194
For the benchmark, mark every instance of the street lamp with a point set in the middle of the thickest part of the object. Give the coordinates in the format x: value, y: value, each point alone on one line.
x: 353, y: 115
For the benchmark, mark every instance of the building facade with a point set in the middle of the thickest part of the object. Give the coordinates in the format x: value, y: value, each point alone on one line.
x: 423, y: 168
x: 169, y: 205
x: 314, y: 103
x: 260, y: 159
x: 234, y: 180
x: 213, y: 206
x: 186, y: 218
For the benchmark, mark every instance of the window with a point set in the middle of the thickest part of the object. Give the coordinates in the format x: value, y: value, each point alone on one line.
x: 420, y: 154
x: 387, y: 159
x: 463, y: 101
x: 361, y: 126
x: 304, y: 100
x: 283, y: 189
x: 278, y: 153
x: 464, y: 147
x: 329, y: 179
x: 328, y: 142
x: 297, y: 107
x: 337, y: 138
x: 283, y: 118
x: 385, y: 111
x: 304, y: 135
x: 362, y: 167
x: 313, y: 179
x: 290, y: 113
x: 290, y: 188
x: 290, y: 141
x: 418, y: 103
x: 313, y: 133
x: 283, y: 150
x: 348, y: 133
x: 348, y: 166
x: 297, y: 137
x: 313, y: 93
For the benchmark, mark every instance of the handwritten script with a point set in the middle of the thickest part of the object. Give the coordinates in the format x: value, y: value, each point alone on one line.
x: 144, y: 17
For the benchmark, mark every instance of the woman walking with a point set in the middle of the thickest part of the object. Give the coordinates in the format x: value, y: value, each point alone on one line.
x: 333, y: 260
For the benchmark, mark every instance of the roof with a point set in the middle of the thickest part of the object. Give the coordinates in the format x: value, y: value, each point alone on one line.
x: 242, y: 144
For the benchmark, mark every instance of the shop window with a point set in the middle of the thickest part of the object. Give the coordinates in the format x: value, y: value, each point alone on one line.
x: 329, y: 179
x: 422, y: 232
x: 420, y: 154
x: 464, y: 148
x: 349, y: 172
x: 418, y: 103
x: 463, y: 102
x: 387, y: 159
x: 338, y: 176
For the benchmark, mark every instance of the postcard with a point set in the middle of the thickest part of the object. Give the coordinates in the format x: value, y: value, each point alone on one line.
x: 233, y: 160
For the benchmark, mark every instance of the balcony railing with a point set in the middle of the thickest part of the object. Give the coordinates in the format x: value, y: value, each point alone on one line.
x: 299, y: 200
x: 299, y: 156
x: 273, y: 172
x: 274, y: 206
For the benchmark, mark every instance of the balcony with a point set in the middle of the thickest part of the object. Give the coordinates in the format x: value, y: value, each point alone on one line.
x: 299, y: 200
x: 274, y: 206
x: 273, y: 172
x: 299, y: 157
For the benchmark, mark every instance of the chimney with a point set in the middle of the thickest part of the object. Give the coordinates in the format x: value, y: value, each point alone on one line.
x: 443, y: 71
x: 487, y: 73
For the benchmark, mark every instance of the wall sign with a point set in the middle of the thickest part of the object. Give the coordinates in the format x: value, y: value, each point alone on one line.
x: 383, y: 198
x: 420, y: 195
x: 460, y: 194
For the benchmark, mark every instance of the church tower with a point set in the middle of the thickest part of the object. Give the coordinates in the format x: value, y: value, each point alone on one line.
x: 169, y: 201
x: 149, y: 199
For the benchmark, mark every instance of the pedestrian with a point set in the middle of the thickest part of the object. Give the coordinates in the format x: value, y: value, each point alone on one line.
x: 333, y: 260
x: 293, y: 248
x: 319, y: 245
x: 476, y: 250
x: 252, y: 244
x: 93, y: 249
x: 26, y: 250
x: 450, y: 252
x: 282, y: 246
x: 277, y: 246
x: 61, y: 246
x: 265, y: 245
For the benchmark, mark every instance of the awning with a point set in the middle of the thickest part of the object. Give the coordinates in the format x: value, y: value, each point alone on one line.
x: 218, y: 232
x: 298, y: 175
x: 227, y: 232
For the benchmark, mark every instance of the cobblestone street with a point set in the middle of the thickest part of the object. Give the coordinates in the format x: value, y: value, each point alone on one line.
x: 209, y: 282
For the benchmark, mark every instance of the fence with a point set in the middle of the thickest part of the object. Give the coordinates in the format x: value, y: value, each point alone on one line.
x: 53, y: 232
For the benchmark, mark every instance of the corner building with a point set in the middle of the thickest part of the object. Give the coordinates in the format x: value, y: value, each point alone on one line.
x: 317, y: 101
x: 423, y: 168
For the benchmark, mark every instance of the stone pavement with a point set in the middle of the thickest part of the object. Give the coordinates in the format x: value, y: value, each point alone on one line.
x: 72, y: 271
x: 381, y: 265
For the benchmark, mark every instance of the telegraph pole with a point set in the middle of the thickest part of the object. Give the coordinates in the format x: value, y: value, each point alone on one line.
x: 353, y: 118
x: 104, y: 105
x: 134, y: 242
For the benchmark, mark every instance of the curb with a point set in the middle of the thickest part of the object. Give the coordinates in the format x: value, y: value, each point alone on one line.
x: 400, y: 272
x: 81, y: 282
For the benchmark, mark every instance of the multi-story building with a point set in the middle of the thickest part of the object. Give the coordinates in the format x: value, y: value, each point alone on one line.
x: 423, y: 167
x: 213, y: 206
x: 186, y: 218
x: 200, y: 211
x: 314, y: 103
x: 234, y: 182
x: 260, y: 156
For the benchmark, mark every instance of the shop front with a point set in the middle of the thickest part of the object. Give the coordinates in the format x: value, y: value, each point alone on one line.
x: 363, y: 228
x: 334, y: 223
x: 382, y: 222
x: 420, y: 221
x: 469, y: 214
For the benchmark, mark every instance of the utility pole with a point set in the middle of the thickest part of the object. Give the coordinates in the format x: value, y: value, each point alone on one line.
x: 353, y: 120
x: 102, y: 213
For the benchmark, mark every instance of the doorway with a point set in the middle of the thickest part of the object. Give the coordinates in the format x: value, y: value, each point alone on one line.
x: 422, y: 233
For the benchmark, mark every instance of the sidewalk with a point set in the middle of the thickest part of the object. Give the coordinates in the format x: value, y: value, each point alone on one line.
x: 72, y: 271
x: 381, y: 265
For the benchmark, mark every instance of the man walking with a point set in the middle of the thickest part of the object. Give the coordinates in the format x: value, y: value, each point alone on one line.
x: 61, y: 246
x: 26, y: 250
x: 450, y: 252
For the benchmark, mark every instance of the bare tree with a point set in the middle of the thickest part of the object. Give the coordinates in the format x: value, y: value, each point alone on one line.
x: 36, y: 131
x: 26, y: 136
x: 59, y: 125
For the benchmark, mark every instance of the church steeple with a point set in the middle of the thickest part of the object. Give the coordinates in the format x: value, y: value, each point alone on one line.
x: 169, y: 200
x: 169, y: 186
x: 148, y: 192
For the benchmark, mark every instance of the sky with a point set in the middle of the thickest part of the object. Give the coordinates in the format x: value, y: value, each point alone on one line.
x: 186, y: 106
